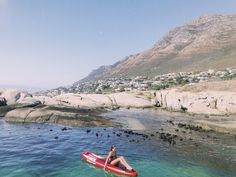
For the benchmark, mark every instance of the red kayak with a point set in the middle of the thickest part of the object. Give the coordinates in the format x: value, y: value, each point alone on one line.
x: 100, y: 162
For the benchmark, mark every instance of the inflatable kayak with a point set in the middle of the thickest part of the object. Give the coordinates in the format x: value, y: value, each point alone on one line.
x: 100, y: 162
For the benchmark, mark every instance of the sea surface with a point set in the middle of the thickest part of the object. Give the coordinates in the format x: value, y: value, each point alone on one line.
x: 41, y: 150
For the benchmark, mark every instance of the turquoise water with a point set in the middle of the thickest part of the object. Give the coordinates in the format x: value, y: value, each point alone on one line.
x: 31, y: 150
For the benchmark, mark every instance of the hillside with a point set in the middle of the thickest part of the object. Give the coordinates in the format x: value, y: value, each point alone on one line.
x: 206, y: 42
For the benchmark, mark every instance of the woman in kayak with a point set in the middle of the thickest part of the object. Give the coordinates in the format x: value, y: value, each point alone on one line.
x: 114, y: 160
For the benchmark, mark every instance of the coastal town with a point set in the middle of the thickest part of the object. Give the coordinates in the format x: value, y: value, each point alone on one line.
x: 144, y: 83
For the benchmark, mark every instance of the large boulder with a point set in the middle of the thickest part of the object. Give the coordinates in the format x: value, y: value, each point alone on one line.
x: 123, y: 99
x: 98, y: 100
x: 14, y: 96
x: 208, y: 102
x: 57, y: 115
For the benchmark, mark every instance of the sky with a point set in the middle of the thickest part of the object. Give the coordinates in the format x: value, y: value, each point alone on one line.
x: 51, y: 43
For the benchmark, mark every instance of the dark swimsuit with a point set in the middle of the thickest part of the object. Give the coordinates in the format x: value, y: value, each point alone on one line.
x: 113, y: 157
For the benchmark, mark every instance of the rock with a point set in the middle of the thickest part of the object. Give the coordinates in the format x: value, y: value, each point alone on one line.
x: 208, y: 102
x: 171, y: 122
x: 57, y: 115
x: 18, y: 115
x: 130, y: 100
x: 14, y: 96
x: 112, y: 101
x: 64, y: 129
x: 3, y: 101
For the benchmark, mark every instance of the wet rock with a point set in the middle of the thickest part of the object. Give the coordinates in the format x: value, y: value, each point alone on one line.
x: 184, y: 109
x: 56, y: 137
x: 96, y: 134
x: 128, y: 131
x: 131, y: 141
x: 3, y: 101
x: 191, y: 127
x: 108, y: 136
x: 176, y: 130
x: 145, y: 136
x: 58, y: 115
x: 174, y: 136
x: 171, y: 122
x: 118, y: 134
x: 88, y: 131
x: 64, y: 129
x: 51, y: 130
x: 181, y: 125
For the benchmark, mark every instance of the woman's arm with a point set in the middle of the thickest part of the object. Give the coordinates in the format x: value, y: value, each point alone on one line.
x: 108, y: 157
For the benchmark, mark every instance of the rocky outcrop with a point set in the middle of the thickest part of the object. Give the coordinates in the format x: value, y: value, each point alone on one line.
x: 209, y: 102
x: 13, y: 96
x: 130, y: 100
x: 57, y: 115
x: 98, y: 100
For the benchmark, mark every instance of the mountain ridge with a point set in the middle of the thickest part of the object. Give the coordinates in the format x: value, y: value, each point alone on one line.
x: 203, y: 43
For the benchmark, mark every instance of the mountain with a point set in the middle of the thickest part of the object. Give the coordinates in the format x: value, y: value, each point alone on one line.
x: 206, y: 42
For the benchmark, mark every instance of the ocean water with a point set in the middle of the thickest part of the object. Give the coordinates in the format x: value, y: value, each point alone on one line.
x: 39, y: 150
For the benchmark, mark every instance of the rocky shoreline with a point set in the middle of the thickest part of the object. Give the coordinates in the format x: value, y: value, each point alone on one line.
x: 217, y: 105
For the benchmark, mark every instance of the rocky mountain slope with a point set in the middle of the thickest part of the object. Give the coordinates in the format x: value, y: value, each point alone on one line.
x: 206, y: 42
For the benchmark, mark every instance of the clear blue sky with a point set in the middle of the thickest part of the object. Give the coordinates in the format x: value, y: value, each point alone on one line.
x: 50, y: 43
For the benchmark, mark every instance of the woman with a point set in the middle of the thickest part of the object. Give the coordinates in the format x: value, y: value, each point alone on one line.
x: 114, y: 160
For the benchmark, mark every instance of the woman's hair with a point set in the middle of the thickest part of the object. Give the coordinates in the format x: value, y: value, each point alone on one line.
x: 112, y: 147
